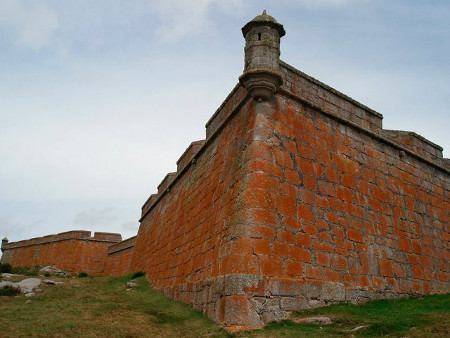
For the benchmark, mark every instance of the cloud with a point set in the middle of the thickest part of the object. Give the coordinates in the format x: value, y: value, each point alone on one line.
x: 9, y: 228
x: 181, y: 18
x: 329, y: 3
x: 29, y: 24
x: 130, y: 225
x: 95, y: 217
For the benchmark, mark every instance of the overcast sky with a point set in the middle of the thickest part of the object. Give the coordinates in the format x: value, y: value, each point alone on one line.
x: 98, y: 99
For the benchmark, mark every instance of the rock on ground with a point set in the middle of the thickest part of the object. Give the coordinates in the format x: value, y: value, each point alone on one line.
x: 7, y: 283
x: 320, y: 320
x: 52, y: 282
x: 27, y: 285
x: 131, y: 285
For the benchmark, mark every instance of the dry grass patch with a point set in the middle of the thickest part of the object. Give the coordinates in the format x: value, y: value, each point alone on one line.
x: 101, y: 307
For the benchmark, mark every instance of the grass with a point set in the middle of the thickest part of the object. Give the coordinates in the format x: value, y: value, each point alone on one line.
x: 101, y: 307
x: 419, y: 317
x: 9, y: 290
x: 25, y: 270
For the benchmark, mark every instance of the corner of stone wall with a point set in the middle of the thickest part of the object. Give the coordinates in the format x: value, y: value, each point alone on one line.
x: 416, y: 143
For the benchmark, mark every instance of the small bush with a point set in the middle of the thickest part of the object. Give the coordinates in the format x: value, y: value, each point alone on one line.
x: 47, y: 274
x: 9, y: 290
x: 20, y: 270
x: 82, y: 274
x: 25, y: 270
x: 5, y: 268
x: 137, y: 274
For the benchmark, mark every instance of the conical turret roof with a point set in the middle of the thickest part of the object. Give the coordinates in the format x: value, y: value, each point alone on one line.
x: 264, y: 20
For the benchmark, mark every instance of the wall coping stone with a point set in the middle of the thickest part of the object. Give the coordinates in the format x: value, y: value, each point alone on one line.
x: 331, y: 89
x: 121, y: 246
x: 82, y: 235
x: 392, y: 143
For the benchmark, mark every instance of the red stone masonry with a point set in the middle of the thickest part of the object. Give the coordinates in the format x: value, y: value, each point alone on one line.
x: 297, y: 198
x: 118, y: 260
x: 74, y: 251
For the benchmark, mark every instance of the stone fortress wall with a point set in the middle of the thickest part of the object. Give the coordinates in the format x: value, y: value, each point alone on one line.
x: 73, y: 251
x: 296, y: 198
x: 118, y: 258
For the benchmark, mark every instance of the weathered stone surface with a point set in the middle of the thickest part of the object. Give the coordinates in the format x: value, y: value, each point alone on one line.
x: 74, y: 251
x: 244, y: 284
x: 52, y: 282
x: 360, y: 327
x: 271, y: 311
x: 318, y: 320
x: 132, y: 285
x: 7, y: 283
x: 311, y: 291
x: 284, y: 287
x: 27, y: 285
x: 300, y: 200
x: 50, y: 269
x: 293, y: 303
x: 316, y: 303
x: 333, y: 292
x: 238, y: 311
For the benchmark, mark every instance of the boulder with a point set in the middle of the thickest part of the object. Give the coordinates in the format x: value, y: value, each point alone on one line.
x: 131, y: 285
x: 27, y: 285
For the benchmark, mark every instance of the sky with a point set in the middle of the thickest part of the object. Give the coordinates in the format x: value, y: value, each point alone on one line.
x: 99, y: 99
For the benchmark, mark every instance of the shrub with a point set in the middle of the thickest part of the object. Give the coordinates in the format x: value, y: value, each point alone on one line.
x: 46, y: 274
x: 25, y: 270
x: 20, y: 270
x: 137, y: 274
x: 82, y: 274
x: 9, y: 290
x: 5, y: 268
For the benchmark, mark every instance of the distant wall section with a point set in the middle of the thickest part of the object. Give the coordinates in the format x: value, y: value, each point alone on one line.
x: 71, y: 251
x: 118, y: 260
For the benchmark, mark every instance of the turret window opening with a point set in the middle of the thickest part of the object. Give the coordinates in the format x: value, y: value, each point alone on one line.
x: 259, y: 36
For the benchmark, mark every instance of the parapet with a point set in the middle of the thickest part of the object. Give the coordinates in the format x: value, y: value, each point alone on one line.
x: 124, y: 245
x: 330, y: 100
x: 166, y: 182
x: 147, y: 205
x: 72, y: 234
x: 416, y: 143
x: 108, y: 236
x: 189, y: 154
x: 64, y: 236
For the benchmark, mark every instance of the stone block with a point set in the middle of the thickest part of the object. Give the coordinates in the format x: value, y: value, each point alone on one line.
x: 238, y: 311
x: 293, y: 303
x: 310, y: 291
x: 244, y: 285
x: 285, y: 287
x: 333, y: 291
x: 271, y: 310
